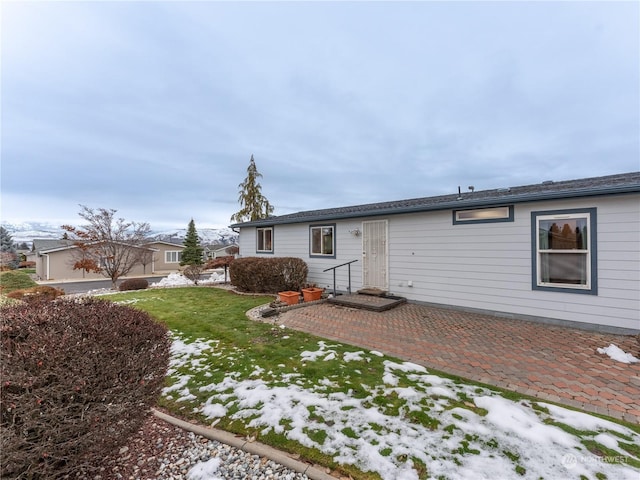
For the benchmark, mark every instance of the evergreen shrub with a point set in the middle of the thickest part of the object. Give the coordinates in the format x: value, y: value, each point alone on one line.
x: 78, y: 378
x: 268, y: 275
x: 134, y: 284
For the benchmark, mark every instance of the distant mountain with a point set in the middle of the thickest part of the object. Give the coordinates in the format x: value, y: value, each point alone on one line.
x: 208, y: 236
x: 27, y: 231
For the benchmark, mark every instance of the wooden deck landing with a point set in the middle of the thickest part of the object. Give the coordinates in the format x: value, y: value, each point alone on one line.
x: 368, y: 302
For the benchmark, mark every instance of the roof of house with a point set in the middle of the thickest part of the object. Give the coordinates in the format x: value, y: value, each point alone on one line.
x: 586, y: 187
x: 176, y: 243
x: 42, y: 246
x: 47, y: 244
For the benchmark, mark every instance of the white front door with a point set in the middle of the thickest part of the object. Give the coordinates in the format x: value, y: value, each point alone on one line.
x: 374, y: 255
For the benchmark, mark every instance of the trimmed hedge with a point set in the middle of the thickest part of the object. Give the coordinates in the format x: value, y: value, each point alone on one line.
x: 78, y: 378
x: 134, y: 284
x: 268, y: 275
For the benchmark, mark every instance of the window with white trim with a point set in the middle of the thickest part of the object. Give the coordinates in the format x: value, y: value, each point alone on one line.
x: 322, y: 241
x: 264, y: 240
x: 172, y: 256
x: 564, y: 250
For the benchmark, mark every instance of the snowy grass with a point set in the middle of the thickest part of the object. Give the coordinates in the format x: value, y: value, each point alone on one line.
x: 360, y: 411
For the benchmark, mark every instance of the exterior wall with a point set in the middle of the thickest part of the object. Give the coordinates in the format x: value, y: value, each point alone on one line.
x: 293, y: 241
x: 485, y: 266
x: 58, y: 266
x: 159, y: 257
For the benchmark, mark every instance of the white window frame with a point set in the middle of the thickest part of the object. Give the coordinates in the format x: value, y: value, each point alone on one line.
x: 261, y: 237
x: 172, y: 256
x: 323, y: 232
x: 588, y: 251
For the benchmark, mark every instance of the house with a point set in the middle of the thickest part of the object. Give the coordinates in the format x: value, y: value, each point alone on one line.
x: 167, y: 255
x: 54, y: 260
x: 565, y: 252
x: 212, y: 252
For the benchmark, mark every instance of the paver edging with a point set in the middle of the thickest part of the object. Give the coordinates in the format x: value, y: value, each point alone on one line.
x: 254, y: 448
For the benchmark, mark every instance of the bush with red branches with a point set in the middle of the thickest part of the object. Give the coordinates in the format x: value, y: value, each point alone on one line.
x: 78, y: 378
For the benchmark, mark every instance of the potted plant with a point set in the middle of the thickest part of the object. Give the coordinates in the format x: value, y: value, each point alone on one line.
x: 289, y: 297
x: 311, y: 293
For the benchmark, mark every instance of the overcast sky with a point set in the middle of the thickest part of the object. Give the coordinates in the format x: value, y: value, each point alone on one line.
x: 155, y: 108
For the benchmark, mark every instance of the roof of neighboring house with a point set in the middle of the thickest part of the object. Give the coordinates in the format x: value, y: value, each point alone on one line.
x: 50, y: 246
x: 47, y: 244
x: 166, y: 242
x: 587, y: 187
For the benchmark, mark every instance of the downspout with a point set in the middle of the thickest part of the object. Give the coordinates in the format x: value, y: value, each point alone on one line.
x: 46, y: 255
x: 237, y: 255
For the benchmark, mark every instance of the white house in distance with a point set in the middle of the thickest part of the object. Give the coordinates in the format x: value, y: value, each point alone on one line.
x: 563, y: 252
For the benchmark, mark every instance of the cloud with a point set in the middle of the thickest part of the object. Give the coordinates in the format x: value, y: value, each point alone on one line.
x: 160, y: 105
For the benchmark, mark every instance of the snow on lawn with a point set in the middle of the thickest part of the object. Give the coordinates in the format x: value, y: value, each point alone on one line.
x: 179, y: 280
x: 458, y: 431
x: 618, y: 354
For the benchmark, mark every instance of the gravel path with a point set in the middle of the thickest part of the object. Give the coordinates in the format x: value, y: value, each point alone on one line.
x: 160, y: 451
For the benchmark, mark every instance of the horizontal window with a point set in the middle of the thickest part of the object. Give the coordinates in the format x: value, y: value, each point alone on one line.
x: 322, y: 240
x: 264, y: 240
x: 564, y: 254
x: 483, y: 215
x: 173, y: 256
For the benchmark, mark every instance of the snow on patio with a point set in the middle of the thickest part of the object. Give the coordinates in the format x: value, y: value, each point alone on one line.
x: 470, y: 432
x: 617, y: 354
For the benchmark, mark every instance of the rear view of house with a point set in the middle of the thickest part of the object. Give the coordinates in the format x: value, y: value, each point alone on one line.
x: 567, y: 252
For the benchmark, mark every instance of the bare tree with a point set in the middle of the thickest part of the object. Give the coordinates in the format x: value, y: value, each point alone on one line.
x: 106, y: 244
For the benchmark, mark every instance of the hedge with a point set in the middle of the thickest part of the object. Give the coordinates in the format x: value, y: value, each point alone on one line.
x: 268, y: 275
x: 78, y: 378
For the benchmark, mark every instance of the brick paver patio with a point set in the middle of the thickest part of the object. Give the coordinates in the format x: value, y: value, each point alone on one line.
x: 552, y: 363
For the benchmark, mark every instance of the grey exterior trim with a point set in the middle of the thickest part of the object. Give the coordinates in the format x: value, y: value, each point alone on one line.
x: 593, y: 248
x: 510, y: 218
x: 589, y: 187
x: 335, y: 240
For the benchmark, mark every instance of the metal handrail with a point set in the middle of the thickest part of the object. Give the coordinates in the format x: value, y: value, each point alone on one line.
x: 334, y: 275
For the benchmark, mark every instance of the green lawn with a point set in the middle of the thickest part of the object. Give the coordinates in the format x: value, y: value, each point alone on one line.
x: 365, y: 414
x: 15, y: 280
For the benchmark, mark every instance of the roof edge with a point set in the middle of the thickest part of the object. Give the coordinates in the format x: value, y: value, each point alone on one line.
x: 466, y: 200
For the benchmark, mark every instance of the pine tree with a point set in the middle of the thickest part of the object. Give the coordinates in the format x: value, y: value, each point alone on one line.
x: 254, y: 206
x: 8, y: 254
x: 192, y: 253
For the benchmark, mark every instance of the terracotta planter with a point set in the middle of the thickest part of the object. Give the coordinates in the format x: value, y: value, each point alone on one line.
x: 311, y: 294
x: 290, y: 298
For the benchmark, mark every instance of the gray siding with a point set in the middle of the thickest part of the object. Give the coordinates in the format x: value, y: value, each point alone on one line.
x: 486, y: 265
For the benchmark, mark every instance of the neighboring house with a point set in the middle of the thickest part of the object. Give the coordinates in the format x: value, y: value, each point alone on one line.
x: 167, y: 255
x: 55, y: 258
x: 564, y: 251
x: 210, y: 253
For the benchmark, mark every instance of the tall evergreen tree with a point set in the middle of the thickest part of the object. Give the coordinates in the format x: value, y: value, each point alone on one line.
x: 8, y: 254
x: 192, y: 253
x: 254, y: 205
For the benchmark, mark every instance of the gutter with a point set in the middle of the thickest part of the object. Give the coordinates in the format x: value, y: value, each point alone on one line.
x: 466, y: 202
